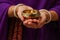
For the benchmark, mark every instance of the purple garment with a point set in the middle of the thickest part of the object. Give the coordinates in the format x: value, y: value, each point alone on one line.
x: 50, y: 31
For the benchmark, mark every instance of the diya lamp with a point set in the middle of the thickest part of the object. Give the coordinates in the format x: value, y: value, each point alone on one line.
x: 31, y: 14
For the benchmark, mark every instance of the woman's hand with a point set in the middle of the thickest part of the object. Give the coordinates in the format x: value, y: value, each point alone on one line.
x: 36, y: 23
x: 21, y: 9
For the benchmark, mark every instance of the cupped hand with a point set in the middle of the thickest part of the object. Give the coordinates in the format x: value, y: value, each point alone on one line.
x: 36, y: 23
x: 20, y: 9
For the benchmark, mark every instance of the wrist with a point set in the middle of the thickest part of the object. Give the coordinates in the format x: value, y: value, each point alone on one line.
x: 54, y: 15
x: 16, y: 10
x: 47, y: 14
x: 10, y: 11
x: 47, y: 17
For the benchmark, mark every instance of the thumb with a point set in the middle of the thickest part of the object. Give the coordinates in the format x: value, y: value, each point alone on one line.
x: 20, y: 16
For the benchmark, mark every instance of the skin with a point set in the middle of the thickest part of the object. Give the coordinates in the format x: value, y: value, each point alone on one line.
x: 32, y: 23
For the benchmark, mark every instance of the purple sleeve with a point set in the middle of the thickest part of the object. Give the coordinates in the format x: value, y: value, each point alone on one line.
x: 57, y: 9
x: 3, y: 20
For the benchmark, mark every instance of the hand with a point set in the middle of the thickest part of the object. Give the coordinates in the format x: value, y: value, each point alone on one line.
x: 36, y: 23
x: 21, y: 9
x: 31, y: 23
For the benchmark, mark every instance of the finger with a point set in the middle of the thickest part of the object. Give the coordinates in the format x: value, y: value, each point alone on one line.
x: 20, y: 16
x: 34, y: 20
x: 30, y: 20
x: 29, y: 23
x: 26, y: 21
x: 30, y: 8
x: 38, y: 21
